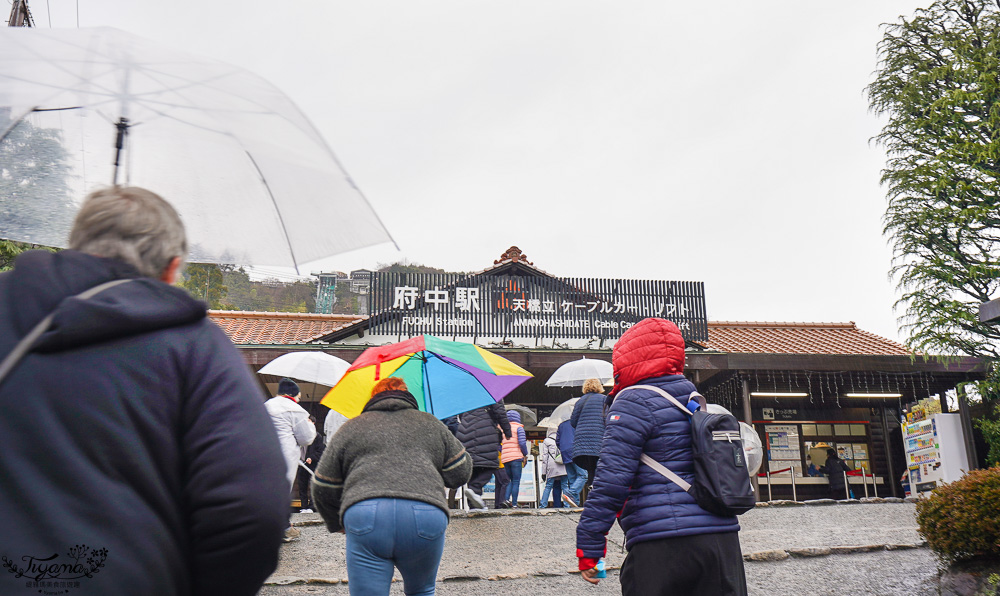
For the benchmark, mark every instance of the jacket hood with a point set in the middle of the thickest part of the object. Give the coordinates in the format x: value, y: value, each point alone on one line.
x: 650, y: 348
x: 44, y: 283
x: 391, y: 401
x: 514, y: 416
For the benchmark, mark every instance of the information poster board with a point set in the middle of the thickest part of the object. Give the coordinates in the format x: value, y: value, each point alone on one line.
x: 783, y: 449
x: 526, y: 494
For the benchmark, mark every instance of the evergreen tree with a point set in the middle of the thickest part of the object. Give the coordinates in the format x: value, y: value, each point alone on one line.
x: 938, y: 82
x: 35, y: 203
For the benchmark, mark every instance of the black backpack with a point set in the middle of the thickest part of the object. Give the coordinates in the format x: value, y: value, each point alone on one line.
x: 721, y: 479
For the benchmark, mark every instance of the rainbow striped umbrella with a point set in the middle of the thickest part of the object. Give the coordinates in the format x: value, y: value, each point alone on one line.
x: 446, y: 377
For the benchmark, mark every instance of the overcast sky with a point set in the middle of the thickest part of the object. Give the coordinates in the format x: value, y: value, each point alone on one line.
x: 724, y: 142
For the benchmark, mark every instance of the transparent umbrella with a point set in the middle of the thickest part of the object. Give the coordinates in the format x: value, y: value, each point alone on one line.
x: 574, y: 373
x: 562, y: 413
x: 253, y: 180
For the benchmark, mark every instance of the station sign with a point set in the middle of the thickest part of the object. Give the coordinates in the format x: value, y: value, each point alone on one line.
x: 505, y: 306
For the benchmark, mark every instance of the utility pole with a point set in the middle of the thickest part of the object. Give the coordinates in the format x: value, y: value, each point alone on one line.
x: 20, y: 16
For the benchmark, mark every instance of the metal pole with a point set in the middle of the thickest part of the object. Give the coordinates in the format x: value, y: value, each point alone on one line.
x: 768, y: 472
x: 847, y: 487
x: 874, y: 485
x: 792, y: 473
x: 864, y: 479
x: 538, y: 493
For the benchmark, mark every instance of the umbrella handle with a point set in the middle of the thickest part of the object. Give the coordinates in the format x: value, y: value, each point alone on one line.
x: 122, y: 126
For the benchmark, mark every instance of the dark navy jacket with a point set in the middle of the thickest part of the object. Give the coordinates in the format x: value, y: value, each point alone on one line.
x: 588, y: 425
x: 134, y: 431
x: 640, y: 421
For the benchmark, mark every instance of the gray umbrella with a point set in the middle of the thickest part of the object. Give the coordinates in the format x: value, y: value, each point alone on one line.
x: 253, y: 180
x: 528, y: 417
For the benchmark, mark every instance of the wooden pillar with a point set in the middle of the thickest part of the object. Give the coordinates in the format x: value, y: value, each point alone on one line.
x: 891, y: 480
x: 748, y: 418
x: 967, y: 429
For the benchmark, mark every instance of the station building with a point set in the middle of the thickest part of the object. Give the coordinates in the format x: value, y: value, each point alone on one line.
x: 805, y: 387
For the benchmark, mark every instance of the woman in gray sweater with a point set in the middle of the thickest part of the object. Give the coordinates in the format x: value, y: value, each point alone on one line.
x: 382, y: 481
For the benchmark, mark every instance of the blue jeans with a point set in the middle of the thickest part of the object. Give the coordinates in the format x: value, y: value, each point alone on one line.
x: 514, y: 473
x: 554, y: 484
x: 575, y: 478
x: 382, y: 533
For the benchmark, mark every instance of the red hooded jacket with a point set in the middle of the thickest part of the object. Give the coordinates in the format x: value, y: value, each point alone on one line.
x: 650, y: 348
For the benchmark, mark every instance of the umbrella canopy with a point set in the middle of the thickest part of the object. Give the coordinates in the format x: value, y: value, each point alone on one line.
x: 253, y: 180
x: 528, y: 417
x: 562, y: 413
x: 312, y: 367
x: 573, y: 374
x: 446, y: 377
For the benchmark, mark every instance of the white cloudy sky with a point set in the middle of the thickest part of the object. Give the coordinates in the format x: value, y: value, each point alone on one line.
x: 726, y: 142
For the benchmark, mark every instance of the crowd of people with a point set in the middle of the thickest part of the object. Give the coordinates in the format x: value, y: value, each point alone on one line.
x: 172, y: 435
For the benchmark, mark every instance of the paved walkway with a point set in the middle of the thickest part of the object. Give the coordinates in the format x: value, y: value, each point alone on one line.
x: 866, y: 548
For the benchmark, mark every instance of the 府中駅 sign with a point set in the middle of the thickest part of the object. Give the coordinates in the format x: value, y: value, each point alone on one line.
x: 530, y: 307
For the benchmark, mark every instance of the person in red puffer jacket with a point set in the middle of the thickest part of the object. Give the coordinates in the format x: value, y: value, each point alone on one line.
x: 674, y: 546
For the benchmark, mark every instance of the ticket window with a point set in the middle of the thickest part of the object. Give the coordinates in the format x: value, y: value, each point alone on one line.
x: 849, y: 439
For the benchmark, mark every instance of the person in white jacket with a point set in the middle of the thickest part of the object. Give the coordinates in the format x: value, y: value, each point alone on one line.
x: 554, y: 471
x: 295, y: 431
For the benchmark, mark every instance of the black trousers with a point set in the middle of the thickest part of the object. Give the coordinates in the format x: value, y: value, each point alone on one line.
x: 706, y: 564
x: 303, y: 480
x: 480, y: 476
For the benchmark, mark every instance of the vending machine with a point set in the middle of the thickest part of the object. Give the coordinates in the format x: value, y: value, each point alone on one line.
x: 935, y: 447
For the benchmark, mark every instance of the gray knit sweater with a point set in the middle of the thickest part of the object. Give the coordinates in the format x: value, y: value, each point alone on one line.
x: 390, y: 450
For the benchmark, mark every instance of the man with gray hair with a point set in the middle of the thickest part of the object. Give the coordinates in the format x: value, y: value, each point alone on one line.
x: 137, y: 457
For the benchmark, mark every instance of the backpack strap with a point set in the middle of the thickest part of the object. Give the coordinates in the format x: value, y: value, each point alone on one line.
x: 649, y: 461
x: 665, y: 472
x: 699, y: 398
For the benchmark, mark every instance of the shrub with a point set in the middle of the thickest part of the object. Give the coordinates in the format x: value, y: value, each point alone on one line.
x: 991, y: 434
x: 961, y: 520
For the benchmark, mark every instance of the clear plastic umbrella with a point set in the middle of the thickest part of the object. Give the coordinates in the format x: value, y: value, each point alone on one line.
x: 562, y: 413
x: 574, y: 373
x: 751, y: 440
x: 253, y: 180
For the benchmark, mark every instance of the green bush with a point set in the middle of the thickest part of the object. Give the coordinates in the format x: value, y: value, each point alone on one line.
x: 961, y: 520
x: 991, y: 434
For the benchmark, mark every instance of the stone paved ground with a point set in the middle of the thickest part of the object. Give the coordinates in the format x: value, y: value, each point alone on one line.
x: 814, y: 549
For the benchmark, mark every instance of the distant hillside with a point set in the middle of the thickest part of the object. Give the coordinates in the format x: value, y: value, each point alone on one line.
x: 227, y: 287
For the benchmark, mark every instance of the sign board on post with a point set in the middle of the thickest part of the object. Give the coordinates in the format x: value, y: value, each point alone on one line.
x: 530, y: 307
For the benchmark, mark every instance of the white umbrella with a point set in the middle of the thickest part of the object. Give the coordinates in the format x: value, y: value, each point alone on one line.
x: 562, y: 413
x: 251, y: 177
x: 573, y: 374
x: 312, y: 367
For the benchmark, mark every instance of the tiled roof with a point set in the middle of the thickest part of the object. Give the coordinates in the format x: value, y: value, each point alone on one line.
x: 277, y: 328
x: 798, y: 338
x: 269, y: 328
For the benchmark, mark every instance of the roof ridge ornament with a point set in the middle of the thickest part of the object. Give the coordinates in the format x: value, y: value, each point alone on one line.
x: 513, y: 254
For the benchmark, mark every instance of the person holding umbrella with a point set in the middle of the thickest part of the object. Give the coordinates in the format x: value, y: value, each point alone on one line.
x: 588, y: 428
x: 295, y: 431
x: 382, y: 482
x: 158, y: 452
x: 478, y: 432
